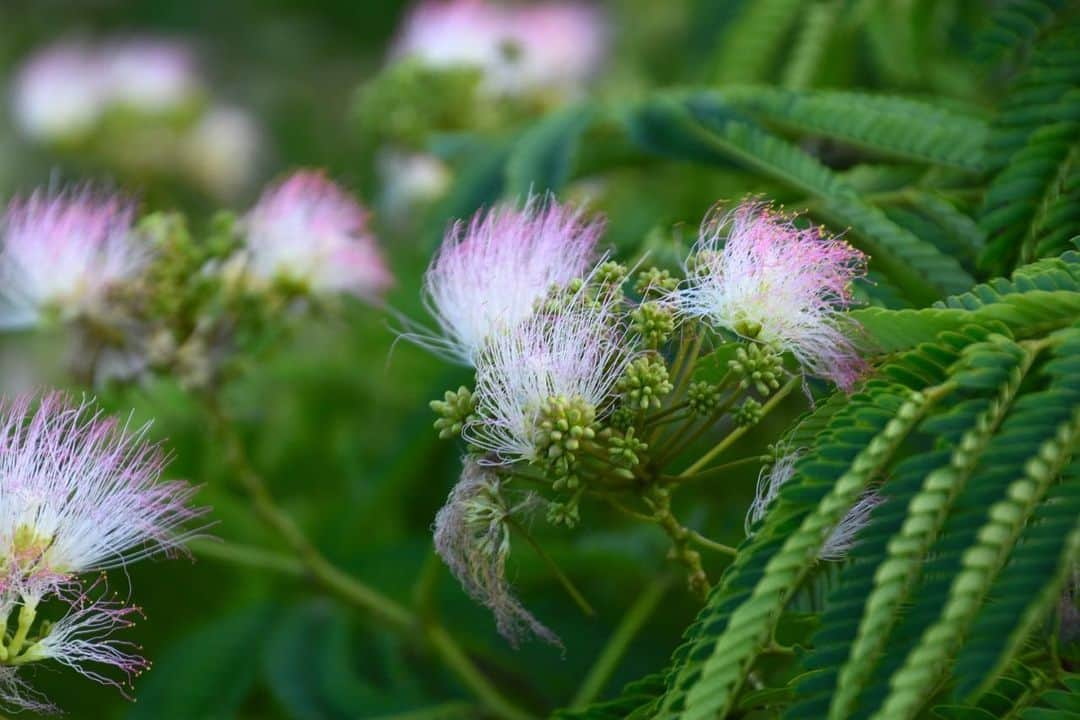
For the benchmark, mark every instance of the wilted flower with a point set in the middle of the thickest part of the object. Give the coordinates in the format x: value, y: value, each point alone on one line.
x: 542, y: 47
x: 59, y: 93
x: 843, y: 537
x: 566, y: 361
x: 77, y: 494
x: 488, y: 275
x: 758, y: 275
x: 306, y: 230
x: 62, y: 251
x: 472, y: 536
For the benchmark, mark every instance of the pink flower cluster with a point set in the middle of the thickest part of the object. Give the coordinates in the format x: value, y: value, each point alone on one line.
x: 307, y: 230
x: 756, y: 273
x: 78, y: 494
x: 63, y: 90
x: 489, y: 274
x: 61, y: 252
x: 553, y: 46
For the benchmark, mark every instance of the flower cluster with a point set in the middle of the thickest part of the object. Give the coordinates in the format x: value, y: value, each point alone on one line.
x: 139, y: 103
x: 546, y: 47
x: 79, y: 494
x: 585, y: 388
x: 142, y: 296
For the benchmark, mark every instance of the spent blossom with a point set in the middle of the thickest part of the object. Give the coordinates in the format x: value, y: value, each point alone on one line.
x: 306, y: 230
x: 757, y: 274
x: 61, y: 252
x: 543, y: 47
x: 843, y: 537
x: 490, y: 273
x: 562, y: 360
x: 472, y: 536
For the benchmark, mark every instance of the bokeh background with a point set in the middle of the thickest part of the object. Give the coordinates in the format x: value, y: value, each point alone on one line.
x: 336, y: 414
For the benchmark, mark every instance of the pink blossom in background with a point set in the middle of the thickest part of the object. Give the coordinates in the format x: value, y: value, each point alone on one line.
x: 149, y: 74
x: 59, y: 92
x: 489, y: 273
x: 520, y: 49
x: 61, y: 251
x: 306, y: 229
x: 757, y: 274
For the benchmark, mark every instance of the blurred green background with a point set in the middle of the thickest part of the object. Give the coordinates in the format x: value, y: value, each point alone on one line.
x: 336, y: 416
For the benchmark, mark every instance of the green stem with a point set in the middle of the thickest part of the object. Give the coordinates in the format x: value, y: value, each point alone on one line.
x: 715, y: 470
x: 27, y: 613
x: 739, y: 432
x: 653, y: 419
x: 456, y: 659
x: 247, y: 555
x: 678, y: 444
x: 350, y: 590
x: 557, y: 571
x: 711, y: 544
x: 600, y: 673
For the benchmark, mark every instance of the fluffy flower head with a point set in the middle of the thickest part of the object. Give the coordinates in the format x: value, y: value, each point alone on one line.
x: 62, y: 251
x: 755, y: 273
x: 489, y: 274
x: 574, y: 354
x: 518, y: 49
x: 307, y: 230
x: 59, y: 92
x: 473, y: 539
x: 78, y: 494
x: 148, y: 74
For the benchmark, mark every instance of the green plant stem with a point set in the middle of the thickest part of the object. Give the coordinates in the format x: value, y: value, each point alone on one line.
x: 352, y: 591
x: 688, y: 369
x: 711, y: 544
x: 659, y: 499
x: 656, y: 417
x: 739, y: 432
x: 557, y: 571
x: 456, y: 659
x: 678, y: 443
x: 247, y: 555
x: 601, y: 671
x: 715, y: 470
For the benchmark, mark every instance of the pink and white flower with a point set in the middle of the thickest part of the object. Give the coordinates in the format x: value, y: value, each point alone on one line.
x: 547, y: 46
x: 61, y: 252
x: 760, y: 276
x: 60, y: 92
x: 843, y: 537
x: 472, y: 537
x: 489, y: 274
x: 149, y: 74
x: 79, y: 493
x: 577, y: 353
x: 308, y: 231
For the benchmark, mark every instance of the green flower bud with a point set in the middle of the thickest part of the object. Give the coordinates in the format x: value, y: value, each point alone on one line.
x: 562, y: 426
x: 611, y: 274
x: 454, y: 410
x: 654, y: 322
x: 758, y: 366
x: 644, y: 383
x: 623, y: 418
x: 654, y: 282
x: 747, y: 414
x: 625, y: 449
x: 703, y: 397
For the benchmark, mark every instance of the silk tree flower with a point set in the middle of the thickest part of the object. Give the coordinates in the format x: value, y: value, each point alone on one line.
x: 518, y: 50
x: 755, y: 273
x: 564, y: 360
x: 149, y: 74
x: 472, y: 536
x: 78, y: 494
x: 489, y: 274
x: 61, y: 252
x: 843, y: 537
x: 221, y: 151
x: 59, y: 93
x: 307, y: 231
